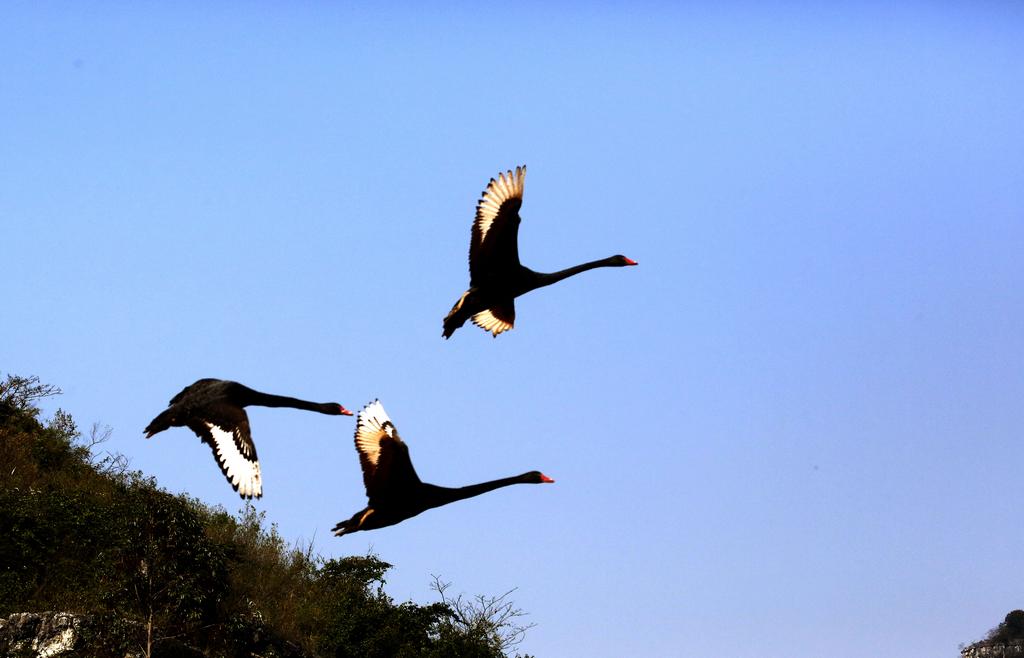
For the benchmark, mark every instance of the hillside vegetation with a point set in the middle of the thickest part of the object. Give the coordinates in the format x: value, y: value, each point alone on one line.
x: 165, y: 575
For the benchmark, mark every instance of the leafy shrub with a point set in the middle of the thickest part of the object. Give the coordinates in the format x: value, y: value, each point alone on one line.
x: 1012, y: 628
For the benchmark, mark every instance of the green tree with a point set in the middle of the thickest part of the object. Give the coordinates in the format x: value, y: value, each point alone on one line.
x: 491, y: 621
x: 1012, y: 628
x: 162, y: 569
x: 360, y: 619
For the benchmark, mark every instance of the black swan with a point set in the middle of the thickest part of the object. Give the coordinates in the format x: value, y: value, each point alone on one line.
x: 496, y: 276
x: 213, y: 409
x: 394, y: 490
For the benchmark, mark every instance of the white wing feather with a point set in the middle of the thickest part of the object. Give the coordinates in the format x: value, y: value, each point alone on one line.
x: 242, y: 472
x: 509, y: 185
x: 372, y: 425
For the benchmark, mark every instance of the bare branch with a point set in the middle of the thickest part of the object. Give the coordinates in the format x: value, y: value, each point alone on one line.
x: 19, y: 391
x: 494, y: 617
x: 109, y: 463
x: 98, y: 434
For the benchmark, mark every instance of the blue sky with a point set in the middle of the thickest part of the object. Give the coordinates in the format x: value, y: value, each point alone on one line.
x: 793, y: 431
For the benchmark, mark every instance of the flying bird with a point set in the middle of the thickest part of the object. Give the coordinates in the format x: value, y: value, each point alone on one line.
x: 496, y: 277
x: 215, y: 410
x: 394, y: 490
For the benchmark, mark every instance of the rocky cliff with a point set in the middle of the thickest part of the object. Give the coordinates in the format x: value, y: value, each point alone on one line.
x: 65, y: 635
x: 40, y: 635
x: 989, y: 649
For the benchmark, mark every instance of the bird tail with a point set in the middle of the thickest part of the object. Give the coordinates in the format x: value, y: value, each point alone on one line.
x: 456, y: 317
x: 354, y: 523
x: 343, y: 528
x: 160, y: 423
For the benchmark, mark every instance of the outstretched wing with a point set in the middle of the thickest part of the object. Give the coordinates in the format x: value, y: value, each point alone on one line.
x: 226, y: 430
x: 498, y: 318
x: 494, y: 243
x: 384, y: 457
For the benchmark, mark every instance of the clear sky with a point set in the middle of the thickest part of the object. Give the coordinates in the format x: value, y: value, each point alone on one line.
x: 793, y: 431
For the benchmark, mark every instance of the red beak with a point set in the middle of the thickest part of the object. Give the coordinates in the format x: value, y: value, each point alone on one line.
x: 630, y: 261
x: 544, y: 478
x: 345, y: 412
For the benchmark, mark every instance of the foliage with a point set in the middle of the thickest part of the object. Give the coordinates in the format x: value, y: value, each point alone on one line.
x: 490, y: 619
x: 1012, y: 628
x: 165, y: 575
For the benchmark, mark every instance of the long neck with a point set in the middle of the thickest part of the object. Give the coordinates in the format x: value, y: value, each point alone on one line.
x: 547, y: 278
x: 445, y: 495
x: 268, y: 400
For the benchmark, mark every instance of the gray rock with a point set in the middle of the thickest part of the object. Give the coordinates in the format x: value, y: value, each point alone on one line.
x: 40, y: 635
x: 988, y: 649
